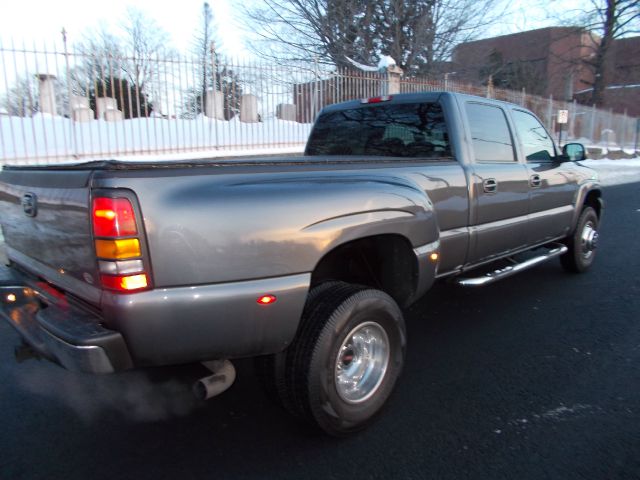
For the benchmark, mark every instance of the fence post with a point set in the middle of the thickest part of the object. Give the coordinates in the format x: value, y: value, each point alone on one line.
x: 524, y: 97
x: 314, y: 96
x: 593, y: 124
x: 74, y: 138
x: 550, y: 113
x: 573, y: 117
x: 610, y: 126
x: 214, y: 101
x: 623, y: 141
x: 490, y: 87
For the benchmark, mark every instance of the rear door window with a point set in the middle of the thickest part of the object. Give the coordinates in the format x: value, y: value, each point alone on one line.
x: 490, y: 134
x: 400, y: 130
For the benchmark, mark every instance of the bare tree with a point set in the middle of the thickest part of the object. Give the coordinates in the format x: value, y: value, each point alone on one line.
x: 604, y: 21
x: 128, y: 66
x: 609, y: 19
x: 21, y: 99
x: 514, y: 74
x: 304, y: 30
x: 204, y: 49
x: 417, y: 34
x: 211, y: 72
x: 146, y: 42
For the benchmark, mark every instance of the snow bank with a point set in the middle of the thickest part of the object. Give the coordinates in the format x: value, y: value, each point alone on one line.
x: 616, y: 172
x: 49, y: 139
x: 46, y: 139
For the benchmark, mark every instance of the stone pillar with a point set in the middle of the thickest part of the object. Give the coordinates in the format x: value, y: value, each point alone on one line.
x: 105, y: 104
x: 80, y: 111
x: 248, y: 108
x: 112, y: 115
x: 214, y: 105
x: 393, y: 75
x: 286, y: 111
x: 47, y: 91
x: 82, y: 115
x: 77, y: 101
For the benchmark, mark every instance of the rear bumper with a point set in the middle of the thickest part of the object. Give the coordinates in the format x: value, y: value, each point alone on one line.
x: 62, y: 333
x: 157, y: 327
x: 168, y: 326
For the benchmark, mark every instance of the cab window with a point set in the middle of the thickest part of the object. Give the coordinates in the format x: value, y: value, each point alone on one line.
x: 536, y: 143
x: 394, y: 130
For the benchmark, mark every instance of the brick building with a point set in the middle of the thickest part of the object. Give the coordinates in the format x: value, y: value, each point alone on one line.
x: 550, y: 61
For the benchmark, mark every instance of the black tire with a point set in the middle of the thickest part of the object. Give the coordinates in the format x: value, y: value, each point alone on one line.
x: 582, y: 244
x: 339, y: 311
x: 271, y: 369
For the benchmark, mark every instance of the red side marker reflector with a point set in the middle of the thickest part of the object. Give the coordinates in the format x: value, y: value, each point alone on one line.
x: 266, y: 299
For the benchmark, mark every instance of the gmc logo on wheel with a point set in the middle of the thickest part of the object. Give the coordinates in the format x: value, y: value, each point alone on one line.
x: 30, y: 204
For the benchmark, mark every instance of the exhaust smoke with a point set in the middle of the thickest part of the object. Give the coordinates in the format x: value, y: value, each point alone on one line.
x: 134, y: 395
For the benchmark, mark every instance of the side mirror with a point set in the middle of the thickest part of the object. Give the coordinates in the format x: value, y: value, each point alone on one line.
x: 574, y: 152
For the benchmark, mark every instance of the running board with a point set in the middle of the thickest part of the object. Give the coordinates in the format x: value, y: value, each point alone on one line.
x: 512, y: 269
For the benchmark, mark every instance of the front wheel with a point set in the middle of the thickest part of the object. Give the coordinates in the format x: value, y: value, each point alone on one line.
x: 582, y: 243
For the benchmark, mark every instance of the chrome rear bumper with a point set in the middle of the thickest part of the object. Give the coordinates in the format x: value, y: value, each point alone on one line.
x: 61, y: 333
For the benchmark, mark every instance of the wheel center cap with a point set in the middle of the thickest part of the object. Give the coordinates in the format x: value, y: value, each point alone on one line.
x: 347, y: 358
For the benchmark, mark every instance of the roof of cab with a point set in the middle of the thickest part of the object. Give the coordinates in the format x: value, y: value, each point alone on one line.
x: 412, y: 98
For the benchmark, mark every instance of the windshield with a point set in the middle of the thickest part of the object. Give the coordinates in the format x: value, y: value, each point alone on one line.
x: 400, y: 130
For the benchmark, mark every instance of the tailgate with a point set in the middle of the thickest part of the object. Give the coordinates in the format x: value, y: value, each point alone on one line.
x: 47, y: 229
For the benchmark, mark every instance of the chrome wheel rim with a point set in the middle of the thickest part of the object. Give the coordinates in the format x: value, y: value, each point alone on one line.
x: 588, y: 239
x: 362, y: 362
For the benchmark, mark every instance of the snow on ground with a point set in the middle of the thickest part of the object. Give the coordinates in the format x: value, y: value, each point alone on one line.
x: 49, y: 139
x: 616, y: 172
x: 57, y: 139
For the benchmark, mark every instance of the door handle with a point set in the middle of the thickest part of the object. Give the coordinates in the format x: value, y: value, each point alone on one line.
x: 490, y: 185
x: 535, y: 181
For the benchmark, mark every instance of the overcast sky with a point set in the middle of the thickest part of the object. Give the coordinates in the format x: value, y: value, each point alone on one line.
x: 43, y: 20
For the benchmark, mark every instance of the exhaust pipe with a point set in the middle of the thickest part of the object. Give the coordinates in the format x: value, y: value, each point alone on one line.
x: 224, y: 374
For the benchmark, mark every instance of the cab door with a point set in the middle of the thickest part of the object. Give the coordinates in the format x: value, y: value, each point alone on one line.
x: 499, y: 184
x: 552, y: 184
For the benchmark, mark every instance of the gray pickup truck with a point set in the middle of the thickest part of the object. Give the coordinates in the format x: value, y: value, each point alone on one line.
x: 301, y: 262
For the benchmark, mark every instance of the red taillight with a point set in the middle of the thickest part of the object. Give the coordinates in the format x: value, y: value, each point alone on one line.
x: 113, y: 217
x: 266, y: 299
x: 124, y: 283
x: 384, y: 98
x: 118, y: 245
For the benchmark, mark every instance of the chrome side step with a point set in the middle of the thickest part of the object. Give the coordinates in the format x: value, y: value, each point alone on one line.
x: 511, y: 269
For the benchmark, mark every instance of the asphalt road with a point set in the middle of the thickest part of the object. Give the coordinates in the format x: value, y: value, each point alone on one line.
x: 534, y: 377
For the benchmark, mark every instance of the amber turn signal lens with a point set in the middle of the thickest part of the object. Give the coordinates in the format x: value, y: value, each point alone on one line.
x: 118, y: 249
